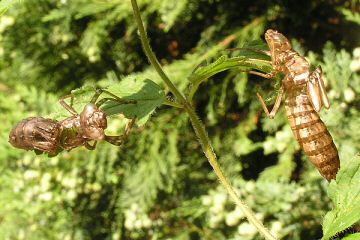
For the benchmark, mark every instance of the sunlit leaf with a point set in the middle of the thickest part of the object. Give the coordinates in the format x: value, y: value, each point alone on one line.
x: 355, y: 236
x: 147, y: 94
x: 345, y: 195
x: 247, y: 60
x: 224, y: 63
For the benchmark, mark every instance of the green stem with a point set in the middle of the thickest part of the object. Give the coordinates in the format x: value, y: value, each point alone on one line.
x: 193, y: 91
x: 150, y: 55
x: 209, y: 153
x: 173, y: 104
x: 199, y: 129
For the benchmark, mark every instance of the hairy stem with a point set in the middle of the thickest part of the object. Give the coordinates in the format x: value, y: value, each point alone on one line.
x: 210, y: 154
x: 198, y: 127
x: 150, y: 55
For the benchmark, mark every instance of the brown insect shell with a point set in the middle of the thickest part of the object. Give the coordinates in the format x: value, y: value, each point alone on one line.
x: 36, y: 133
x: 279, y: 45
x: 93, y: 122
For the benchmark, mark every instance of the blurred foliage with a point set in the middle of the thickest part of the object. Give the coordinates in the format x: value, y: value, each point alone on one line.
x: 158, y: 184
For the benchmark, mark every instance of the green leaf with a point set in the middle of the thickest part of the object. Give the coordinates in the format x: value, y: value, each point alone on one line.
x: 223, y: 63
x: 355, y: 236
x: 147, y: 94
x: 345, y: 194
x: 253, y: 50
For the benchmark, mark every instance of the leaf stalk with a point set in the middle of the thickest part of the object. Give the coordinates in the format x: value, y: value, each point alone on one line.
x: 173, y: 104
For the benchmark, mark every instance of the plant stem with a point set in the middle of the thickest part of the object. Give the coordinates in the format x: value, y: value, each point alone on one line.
x: 193, y: 90
x: 150, y: 55
x: 198, y: 127
x: 209, y: 153
x: 173, y: 104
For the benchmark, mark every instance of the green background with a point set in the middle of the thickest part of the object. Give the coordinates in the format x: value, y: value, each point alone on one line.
x: 159, y: 185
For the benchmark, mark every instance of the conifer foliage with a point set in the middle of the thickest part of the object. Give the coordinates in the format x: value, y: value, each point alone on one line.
x: 158, y: 184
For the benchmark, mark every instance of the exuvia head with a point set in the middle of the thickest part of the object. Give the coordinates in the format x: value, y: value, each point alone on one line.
x: 93, y: 122
x: 277, y: 41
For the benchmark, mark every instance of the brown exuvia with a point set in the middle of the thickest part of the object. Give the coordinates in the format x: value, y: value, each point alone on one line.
x: 305, y: 95
x: 47, y: 135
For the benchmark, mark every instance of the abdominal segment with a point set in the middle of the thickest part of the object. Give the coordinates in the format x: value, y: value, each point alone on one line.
x: 312, y: 135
